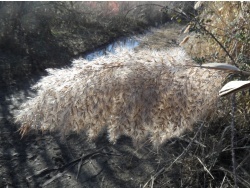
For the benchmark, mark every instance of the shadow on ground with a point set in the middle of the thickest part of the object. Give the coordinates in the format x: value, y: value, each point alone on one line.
x: 48, y: 160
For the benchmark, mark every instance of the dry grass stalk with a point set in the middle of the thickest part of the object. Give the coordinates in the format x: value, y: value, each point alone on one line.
x: 229, y: 23
x: 144, y: 94
x: 184, y: 40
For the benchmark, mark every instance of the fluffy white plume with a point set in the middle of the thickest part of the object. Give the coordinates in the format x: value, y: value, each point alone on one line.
x: 145, y: 95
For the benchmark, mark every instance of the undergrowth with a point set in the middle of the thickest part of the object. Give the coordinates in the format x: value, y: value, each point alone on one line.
x: 218, y: 157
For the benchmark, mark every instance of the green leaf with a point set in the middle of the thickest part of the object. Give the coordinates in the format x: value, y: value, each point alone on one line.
x: 179, y: 20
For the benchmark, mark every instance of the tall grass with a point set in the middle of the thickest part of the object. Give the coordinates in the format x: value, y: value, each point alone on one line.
x: 221, y: 34
x: 228, y: 22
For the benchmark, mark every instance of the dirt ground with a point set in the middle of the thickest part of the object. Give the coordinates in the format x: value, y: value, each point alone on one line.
x: 47, y: 160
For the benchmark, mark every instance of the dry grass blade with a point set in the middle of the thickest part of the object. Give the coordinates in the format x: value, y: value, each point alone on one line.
x: 197, y: 5
x: 184, y: 41
x: 243, y: 161
x: 205, y: 168
x: 222, y: 183
x: 234, y: 86
x: 218, y: 66
x: 243, y: 182
x: 187, y: 29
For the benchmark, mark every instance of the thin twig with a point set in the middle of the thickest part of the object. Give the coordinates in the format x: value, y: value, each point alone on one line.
x: 240, y: 179
x: 243, y: 161
x: 223, y: 180
x: 212, y: 35
x: 45, y: 171
x: 232, y: 139
x: 205, y: 168
x: 80, y: 164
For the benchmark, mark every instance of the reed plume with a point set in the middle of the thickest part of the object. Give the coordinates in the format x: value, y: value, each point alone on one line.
x: 146, y: 95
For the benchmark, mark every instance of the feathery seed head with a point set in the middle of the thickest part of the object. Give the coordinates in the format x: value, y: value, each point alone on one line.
x: 145, y: 94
